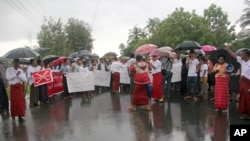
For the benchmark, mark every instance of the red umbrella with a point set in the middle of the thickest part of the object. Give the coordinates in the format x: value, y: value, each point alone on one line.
x: 208, y: 48
x: 58, y: 61
x: 145, y: 49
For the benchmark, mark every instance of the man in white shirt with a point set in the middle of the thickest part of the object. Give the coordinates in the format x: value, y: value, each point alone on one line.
x: 192, y: 65
x: 34, y: 91
x: 102, y: 65
x: 115, y: 70
x: 16, y: 79
x: 155, y: 65
x: 244, y: 103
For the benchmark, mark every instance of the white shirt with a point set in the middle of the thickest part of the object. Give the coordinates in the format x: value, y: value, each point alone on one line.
x: 13, y: 78
x: 102, y: 66
x: 31, y: 70
x: 131, y: 61
x: 39, y: 68
x: 203, y: 68
x: 245, y: 67
x: 83, y: 69
x: 157, y: 65
x: 115, y: 67
x: 192, y: 67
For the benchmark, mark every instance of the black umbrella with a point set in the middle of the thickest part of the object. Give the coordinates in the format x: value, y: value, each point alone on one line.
x: 24, y: 61
x: 214, y: 58
x: 94, y: 57
x: 237, y: 52
x: 73, y: 55
x: 110, y: 54
x: 85, y: 51
x: 21, y: 53
x: 188, y: 45
x: 50, y: 58
x: 198, y: 52
x: 84, y: 55
x: 41, y: 49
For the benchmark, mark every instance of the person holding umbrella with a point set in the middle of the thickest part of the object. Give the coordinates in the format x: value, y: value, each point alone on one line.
x: 16, y: 79
x: 244, y: 103
x: 192, y: 64
x: 4, y: 102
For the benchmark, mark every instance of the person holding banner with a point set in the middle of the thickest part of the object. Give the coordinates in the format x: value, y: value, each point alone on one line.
x: 115, y: 70
x: 65, y: 69
x: 43, y: 93
x: 141, y: 79
x: 34, y: 91
x: 244, y: 103
x: 102, y: 65
x: 16, y: 79
x: 155, y: 66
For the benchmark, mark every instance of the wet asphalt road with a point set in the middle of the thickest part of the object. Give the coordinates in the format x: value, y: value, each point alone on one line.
x: 106, y: 118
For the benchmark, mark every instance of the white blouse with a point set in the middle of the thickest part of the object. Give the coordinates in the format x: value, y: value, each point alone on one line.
x: 13, y: 78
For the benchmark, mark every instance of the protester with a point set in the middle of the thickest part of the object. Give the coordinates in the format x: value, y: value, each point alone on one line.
x: 203, y: 78
x: 34, y: 91
x: 86, y: 95
x: 155, y: 66
x: 115, y: 70
x: 77, y: 65
x: 244, y: 103
x: 4, y: 102
x: 130, y: 62
x: 141, y: 78
x: 234, y: 85
x: 65, y: 69
x: 184, y: 73
x: 221, y: 85
x: 192, y: 65
x: 94, y: 65
x: 16, y: 78
x: 211, y: 76
x: 102, y: 65
x: 43, y: 91
x: 167, y: 65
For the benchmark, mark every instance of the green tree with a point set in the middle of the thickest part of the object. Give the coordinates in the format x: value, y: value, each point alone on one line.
x: 78, y: 35
x: 245, y: 18
x: 152, y: 26
x: 219, y: 27
x: 122, y: 47
x: 52, y: 36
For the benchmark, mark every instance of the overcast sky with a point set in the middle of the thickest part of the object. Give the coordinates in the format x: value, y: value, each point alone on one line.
x: 21, y: 19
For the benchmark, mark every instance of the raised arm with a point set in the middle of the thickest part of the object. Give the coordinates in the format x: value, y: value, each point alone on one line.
x: 232, y: 54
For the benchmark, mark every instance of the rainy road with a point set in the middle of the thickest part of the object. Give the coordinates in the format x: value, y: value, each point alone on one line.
x: 105, y: 118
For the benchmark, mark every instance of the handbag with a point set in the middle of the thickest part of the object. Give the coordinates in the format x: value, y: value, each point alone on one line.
x: 149, y: 89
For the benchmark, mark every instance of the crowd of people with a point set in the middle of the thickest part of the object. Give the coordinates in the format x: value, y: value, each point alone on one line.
x: 198, y: 76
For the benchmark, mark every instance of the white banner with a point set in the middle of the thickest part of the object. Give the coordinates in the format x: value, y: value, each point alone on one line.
x: 102, y: 78
x: 124, y: 76
x: 80, y: 81
x: 176, y: 72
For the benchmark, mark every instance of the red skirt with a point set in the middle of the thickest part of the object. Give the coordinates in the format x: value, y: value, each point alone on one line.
x: 244, y: 103
x: 157, y: 86
x: 116, y: 81
x: 17, y: 101
x: 140, y: 96
x: 221, y: 92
